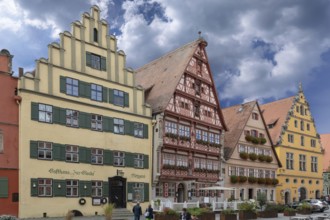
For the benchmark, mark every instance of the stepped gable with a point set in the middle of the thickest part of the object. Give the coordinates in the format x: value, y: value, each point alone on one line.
x: 236, y: 118
x: 161, y: 76
x: 275, y: 114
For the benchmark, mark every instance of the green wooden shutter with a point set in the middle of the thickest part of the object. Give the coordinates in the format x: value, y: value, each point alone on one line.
x: 62, y: 84
x: 56, y: 115
x: 35, y: 111
x: 106, y: 123
x: 85, y: 188
x: 104, y: 94
x: 145, y: 131
x: 3, y: 187
x: 130, y: 190
x: 34, y: 149
x: 88, y: 155
x: 84, y: 89
x: 145, y: 161
x: 108, y: 157
x: 129, y: 127
x: 111, y: 96
x: 111, y: 125
x: 103, y: 63
x: 59, y: 152
x: 105, y: 189
x: 82, y: 155
x: 126, y: 99
x: 129, y: 159
x: 88, y: 59
x: 146, y: 192
x: 62, y: 116
x: 85, y: 120
x: 88, y: 90
x: 59, y: 191
x: 34, y: 190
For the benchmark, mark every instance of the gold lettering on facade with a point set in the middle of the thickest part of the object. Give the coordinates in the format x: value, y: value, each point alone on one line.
x: 73, y: 172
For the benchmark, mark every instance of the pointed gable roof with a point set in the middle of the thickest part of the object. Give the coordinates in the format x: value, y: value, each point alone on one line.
x: 236, y: 118
x: 164, y: 74
x: 275, y: 114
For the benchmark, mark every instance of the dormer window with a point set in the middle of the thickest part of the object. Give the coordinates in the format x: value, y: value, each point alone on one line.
x: 95, y: 35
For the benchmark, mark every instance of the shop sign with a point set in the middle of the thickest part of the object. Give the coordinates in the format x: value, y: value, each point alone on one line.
x: 71, y: 172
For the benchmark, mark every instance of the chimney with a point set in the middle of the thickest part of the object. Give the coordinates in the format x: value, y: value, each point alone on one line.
x: 20, y: 71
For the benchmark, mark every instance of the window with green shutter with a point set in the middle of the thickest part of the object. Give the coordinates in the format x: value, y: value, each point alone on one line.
x: 126, y: 99
x: 88, y: 59
x: 146, y: 162
x: 59, y: 115
x: 34, y: 149
x: 108, y: 157
x: 146, y: 192
x: 103, y: 64
x: 3, y: 187
x: 85, y: 188
x: 34, y: 187
x: 105, y: 189
x: 84, y: 155
x: 145, y: 131
x: 59, y: 152
x: 129, y: 128
x: 35, y: 111
x: 106, y: 123
x: 84, y: 89
x: 129, y: 159
x: 85, y: 120
x: 62, y: 84
x: 130, y: 190
x: 105, y: 94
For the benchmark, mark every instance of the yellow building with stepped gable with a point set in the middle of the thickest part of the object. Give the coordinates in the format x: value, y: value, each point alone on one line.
x: 297, y: 144
x: 85, y: 130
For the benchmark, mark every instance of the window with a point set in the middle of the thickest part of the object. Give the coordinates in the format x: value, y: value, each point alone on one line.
x: 95, y: 35
x: 45, y: 187
x: 72, y: 118
x: 171, y: 127
x: 72, y: 86
x: 171, y: 189
x: 4, y: 187
x: 254, y: 133
x: 255, y: 116
x: 184, y: 105
x: 184, y: 131
x: 198, y: 87
x: 97, y: 156
x: 306, y: 111
x: 308, y: 126
x: 204, y: 136
x: 295, y: 123
x: 96, y: 122
x: 72, y: 188
x: 138, y: 160
x: 118, y: 97
x: 96, y: 61
x: 138, y: 130
x: 119, y: 159
x: 97, y: 188
x: 302, y: 162
x: 260, y: 173
x: 45, y: 151
x: 289, y: 161
x: 294, y: 180
x: 302, y: 141
x: 1, y: 141
x: 72, y: 153
x: 168, y: 159
x: 297, y: 109
x: 287, y: 180
x: 118, y: 125
x: 313, y: 143
x: 302, y: 125
x: 96, y: 92
x: 302, y: 110
x: 267, y: 174
x: 241, y: 171
x: 290, y: 138
x: 232, y: 171
x: 314, y: 164
x: 159, y: 190
x: 211, y: 137
x: 138, y: 192
x: 251, y: 172
x: 182, y: 161
x: 45, y: 113
x: 198, y: 134
x: 197, y: 110
x: 217, y: 138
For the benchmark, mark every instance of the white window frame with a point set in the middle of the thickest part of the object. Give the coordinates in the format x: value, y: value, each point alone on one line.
x: 119, y: 159
x: 96, y: 122
x: 72, y: 188
x: 45, y: 187
x: 138, y: 160
x: 45, y: 151
x: 96, y: 156
x: 97, y: 190
x: 72, y: 153
x: 72, y: 118
x: 45, y: 113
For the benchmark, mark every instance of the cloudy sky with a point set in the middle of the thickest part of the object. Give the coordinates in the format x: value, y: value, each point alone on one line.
x: 257, y: 49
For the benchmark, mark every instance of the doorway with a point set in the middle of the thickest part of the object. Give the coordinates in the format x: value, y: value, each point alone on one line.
x: 286, y: 198
x: 302, y: 194
x: 317, y: 194
x: 180, y: 193
x: 117, y: 191
x: 250, y: 193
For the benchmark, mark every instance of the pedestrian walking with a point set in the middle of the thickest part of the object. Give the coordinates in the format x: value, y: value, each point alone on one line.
x: 149, y: 214
x: 137, y: 211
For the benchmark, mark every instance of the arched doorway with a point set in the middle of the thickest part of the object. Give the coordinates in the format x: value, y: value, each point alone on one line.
x: 286, y: 197
x: 303, y: 195
x: 317, y: 194
x: 180, y: 192
x: 117, y: 191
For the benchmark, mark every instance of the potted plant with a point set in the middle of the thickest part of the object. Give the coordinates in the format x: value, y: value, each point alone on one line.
x: 167, y: 214
x: 242, y: 179
x: 202, y: 213
x: 253, y: 156
x: 304, y: 209
x: 252, y: 179
x: 289, y: 212
x: 268, y: 181
x: 233, y: 179
x: 275, y: 181
x: 228, y: 214
x: 262, y: 140
x: 108, y: 210
x: 261, y: 157
x: 244, y: 155
x: 269, y: 159
x: 269, y: 212
x: 261, y: 180
x: 247, y: 210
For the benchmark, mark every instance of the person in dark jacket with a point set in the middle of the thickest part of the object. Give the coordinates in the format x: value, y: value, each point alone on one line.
x: 185, y: 215
x: 150, y: 212
x: 137, y: 211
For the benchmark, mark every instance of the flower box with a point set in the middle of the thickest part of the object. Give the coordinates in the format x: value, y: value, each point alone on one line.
x: 268, y: 214
x: 228, y: 216
x: 247, y: 214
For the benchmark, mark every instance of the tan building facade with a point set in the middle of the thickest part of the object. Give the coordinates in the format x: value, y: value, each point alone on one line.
x: 250, y: 158
x: 85, y: 131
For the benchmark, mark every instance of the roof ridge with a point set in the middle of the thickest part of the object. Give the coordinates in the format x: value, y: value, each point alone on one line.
x: 169, y: 53
x: 279, y: 100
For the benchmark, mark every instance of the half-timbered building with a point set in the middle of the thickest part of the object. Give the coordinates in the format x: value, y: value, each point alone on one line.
x: 188, y: 125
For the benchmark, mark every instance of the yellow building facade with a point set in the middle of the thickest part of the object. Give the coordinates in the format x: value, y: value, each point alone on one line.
x: 293, y: 130
x: 85, y: 130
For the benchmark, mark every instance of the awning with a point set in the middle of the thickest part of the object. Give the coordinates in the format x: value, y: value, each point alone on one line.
x: 216, y: 188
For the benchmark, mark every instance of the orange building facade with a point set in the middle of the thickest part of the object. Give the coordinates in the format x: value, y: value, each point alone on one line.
x: 8, y: 137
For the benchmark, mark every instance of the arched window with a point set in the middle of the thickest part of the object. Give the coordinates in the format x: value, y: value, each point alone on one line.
x: 1, y: 141
x: 95, y: 36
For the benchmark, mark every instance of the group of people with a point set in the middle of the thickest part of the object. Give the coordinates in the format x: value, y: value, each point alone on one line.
x: 149, y: 213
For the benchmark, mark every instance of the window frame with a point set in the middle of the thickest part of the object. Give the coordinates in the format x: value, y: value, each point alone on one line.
x: 70, y: 152
x: 96, y: 92
x: 72, y: 118
x: 118, y: 97
x: 118, y: 159
x: 289, y: 161
x: 45, y: 186
x: 71, y: 87
x: 95, y: 61
x: 138, y: 130
x: 42, y: 147
x: 96, y: 122
x: 46, y: 112
x: 118, y: 126
x: 302, y: 162
x: 97, y: 156
x: 97, y: 188
x: 139, y: 161
x: 72, y: 189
